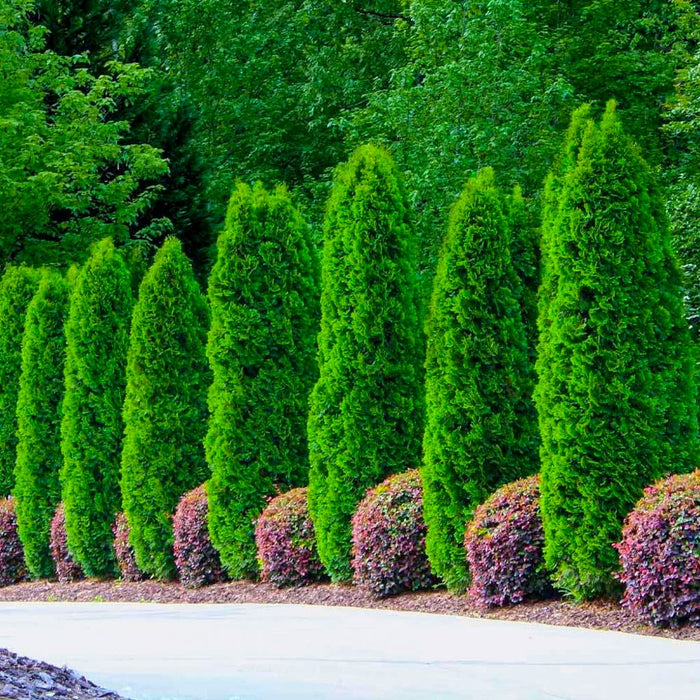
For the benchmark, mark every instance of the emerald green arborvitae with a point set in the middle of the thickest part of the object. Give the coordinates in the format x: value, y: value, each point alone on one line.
x: 39, y: 460
x: 263, y: 295
x: 97, y: 337
x: 367, y: 406
x: 616, y: 396
x: 17, y: 288
x: 165, y: 407
x: 481, y: 426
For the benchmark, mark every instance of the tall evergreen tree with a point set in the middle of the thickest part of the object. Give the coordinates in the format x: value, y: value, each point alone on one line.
x: 165, y: 405
x: 481, y: 427
x: 616, y: 395
x: 97, y: 337
x: 263, y: 294
x: 39, y: 421
x: 17, y: 288
x: 366, y: 411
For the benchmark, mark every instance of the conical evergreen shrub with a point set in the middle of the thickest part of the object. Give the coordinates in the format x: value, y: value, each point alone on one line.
x: 17, y: 288
x: 165, y: 407
x: 481, y: 426
x: 97, y: 337
x: 365, y: 421
x: 263, y: 294
x: 616, y: 395
x: 37, y: 489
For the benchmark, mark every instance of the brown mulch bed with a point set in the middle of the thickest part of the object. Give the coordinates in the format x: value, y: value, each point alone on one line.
x: 604, y: 615
x: 25, y: 679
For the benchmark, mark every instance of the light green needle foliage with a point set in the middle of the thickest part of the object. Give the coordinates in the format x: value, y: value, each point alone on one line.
x: 39, y: 421
x: 263, y: 294
x: 97, y: 337
x: 17, y: 288
x: 165, y: 406
x: 616, y: 396
x: 367, y: 406
x: 481, y: 427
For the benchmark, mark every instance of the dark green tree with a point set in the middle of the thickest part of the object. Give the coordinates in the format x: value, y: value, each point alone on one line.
x: 481, y: 426
x: 366, y: 411
x: 97, y: 337
x: 616, y: 392
x: 263, y: 295
x: 165, y: 406
x: 17, y: 288
x: 38, y: 464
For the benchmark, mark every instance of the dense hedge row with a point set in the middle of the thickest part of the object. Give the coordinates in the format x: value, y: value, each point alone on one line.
x: 615, y: 397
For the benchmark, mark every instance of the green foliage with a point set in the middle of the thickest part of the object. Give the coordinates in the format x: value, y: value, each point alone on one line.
x: 165, y: 406
x: 17, y: 288
x: 481, y: 429
x: 97, y: 337
x: 279, y: 83
x: 263, y: 294
x: 39, y: 399
x: 616, y: 396
x: 69, y: 177
x: 366, y: 411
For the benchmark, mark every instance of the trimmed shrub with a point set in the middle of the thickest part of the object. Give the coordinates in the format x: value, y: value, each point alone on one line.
x: 124, y: 552
x: 198, y: 563
x: 388, y: 538
x: 39, y: 457
x: 616, y: 392
x: 67, y: 568
x: 263, y: 294
x: 660, y: 553
x: 505, y: 546
x: 165, y: 406
x: 284, y: 535
x: 97, y: 336
x: 366, y: 410
x: 17, y: 288
x: 12, y: 567
x: 481, y: 427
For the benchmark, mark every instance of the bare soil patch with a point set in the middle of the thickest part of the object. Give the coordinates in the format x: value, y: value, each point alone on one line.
x: 602, y: 615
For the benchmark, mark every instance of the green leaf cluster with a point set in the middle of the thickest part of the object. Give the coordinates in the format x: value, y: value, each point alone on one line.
x: 263, y: 295
x: 165, y: 406
x: 616, y: 395
x: 70, y: 175
x: 92, y: 428
x: 39, y: 400
x: 366, y: 413
x: 17, y: 287
x: 481, y: 427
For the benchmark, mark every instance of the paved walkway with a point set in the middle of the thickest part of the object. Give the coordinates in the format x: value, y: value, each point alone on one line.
x: 207, y: 652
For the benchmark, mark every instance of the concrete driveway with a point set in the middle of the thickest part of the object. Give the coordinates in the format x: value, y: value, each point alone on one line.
x: 207, y: 652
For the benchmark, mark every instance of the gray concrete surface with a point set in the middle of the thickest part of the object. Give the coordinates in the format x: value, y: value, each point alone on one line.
x: 208, y: 652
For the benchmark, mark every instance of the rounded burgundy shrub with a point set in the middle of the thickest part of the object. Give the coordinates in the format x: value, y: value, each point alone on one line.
x: 67, y: 568
x: 197, y: 561
x: 504, y: 546
x: 286, y: 542
x: 124, y: 552
x: 660, y: 553
x: 388, y: 538
x: 12, y: 566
